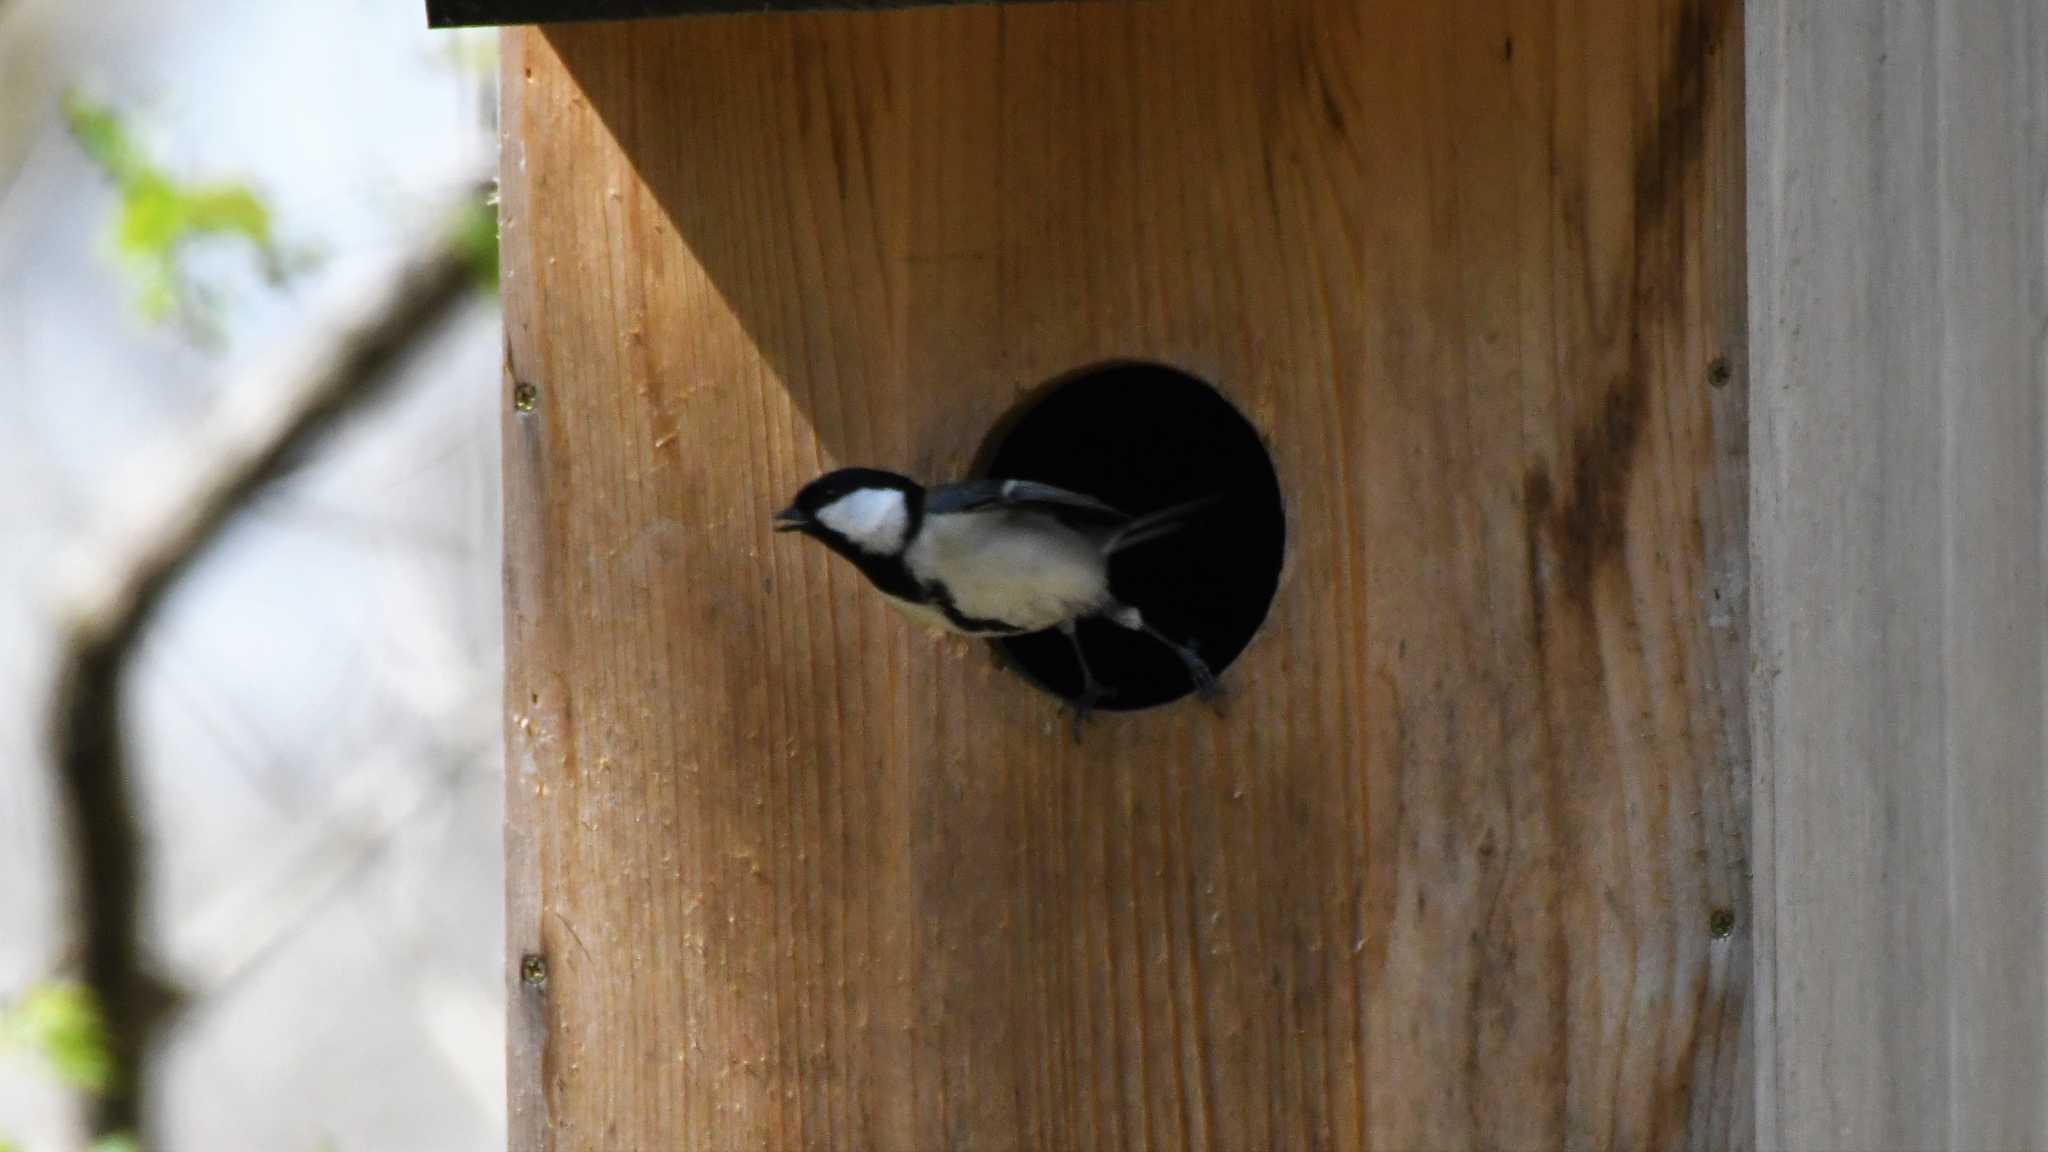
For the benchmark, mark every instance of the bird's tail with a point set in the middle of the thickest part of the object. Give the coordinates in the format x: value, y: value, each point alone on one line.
x: 1148, y: 528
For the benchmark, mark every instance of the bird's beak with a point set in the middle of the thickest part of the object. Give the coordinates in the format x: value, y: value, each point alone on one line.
x: 791, y: 519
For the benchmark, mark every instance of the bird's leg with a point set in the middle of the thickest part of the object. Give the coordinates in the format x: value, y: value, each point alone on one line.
x: 1206, y: 687
x: 1092, y: 691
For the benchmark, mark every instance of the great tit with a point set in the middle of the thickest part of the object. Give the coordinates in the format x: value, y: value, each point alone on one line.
x: 990, y: 558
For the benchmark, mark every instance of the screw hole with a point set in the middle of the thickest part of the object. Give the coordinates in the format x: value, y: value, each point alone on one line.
x: 525, y: 396
x: 1144, y: 437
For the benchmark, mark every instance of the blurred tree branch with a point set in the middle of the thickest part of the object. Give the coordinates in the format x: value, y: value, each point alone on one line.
x: 116, y: 585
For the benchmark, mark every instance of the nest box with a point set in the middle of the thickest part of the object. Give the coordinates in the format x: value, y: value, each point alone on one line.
x: 1448, y: 296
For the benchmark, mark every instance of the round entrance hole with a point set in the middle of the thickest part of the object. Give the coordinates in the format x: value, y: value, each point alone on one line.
x: 1145, y: 437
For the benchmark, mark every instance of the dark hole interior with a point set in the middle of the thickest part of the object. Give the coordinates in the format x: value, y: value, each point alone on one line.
x: 1144, y: 437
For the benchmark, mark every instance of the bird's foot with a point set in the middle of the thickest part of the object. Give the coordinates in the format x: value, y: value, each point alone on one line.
x: 1082, y: 707
x: 1207, y: 688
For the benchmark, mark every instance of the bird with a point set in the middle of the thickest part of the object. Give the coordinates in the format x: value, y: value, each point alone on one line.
x: 992, y: 558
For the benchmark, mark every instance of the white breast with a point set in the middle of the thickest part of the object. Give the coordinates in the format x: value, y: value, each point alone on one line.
x: 1026, y: 570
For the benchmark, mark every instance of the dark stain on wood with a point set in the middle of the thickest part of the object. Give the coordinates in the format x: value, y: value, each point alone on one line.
x: 1668, y: 155
x: 1577, y: 524
x: 1590, y: 528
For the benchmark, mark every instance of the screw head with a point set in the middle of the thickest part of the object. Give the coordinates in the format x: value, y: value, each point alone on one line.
x: 1721, y: 923
x: 1720, y: 372
x: 525, y: 396
x: 533, y: 970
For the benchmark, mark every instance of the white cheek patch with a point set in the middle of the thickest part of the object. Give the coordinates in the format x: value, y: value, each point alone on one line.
x: 874, y: 520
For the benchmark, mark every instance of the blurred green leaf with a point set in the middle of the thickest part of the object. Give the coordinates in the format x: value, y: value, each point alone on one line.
x: 472, y: 50
x: 115, y: 1144
x: 150, y: 219
x: 230, y: 208
x: 158, y: 217
x: 61, y: 1021
x: 476, y: 234
x: 9, y: 1146
x: 101, y: 135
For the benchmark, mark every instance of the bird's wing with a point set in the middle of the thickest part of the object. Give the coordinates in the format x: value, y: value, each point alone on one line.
x: 978, y: 494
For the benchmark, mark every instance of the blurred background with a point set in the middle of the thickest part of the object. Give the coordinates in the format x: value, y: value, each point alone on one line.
x: 193, y: 193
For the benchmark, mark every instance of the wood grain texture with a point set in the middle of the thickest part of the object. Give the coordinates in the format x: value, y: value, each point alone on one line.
x: 1445, y: 874
x: 1899, y: 269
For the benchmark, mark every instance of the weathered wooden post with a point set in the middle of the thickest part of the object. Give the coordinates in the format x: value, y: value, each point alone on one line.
x: 1464, y: 862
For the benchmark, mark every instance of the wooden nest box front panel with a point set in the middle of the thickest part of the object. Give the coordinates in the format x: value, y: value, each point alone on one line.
x: 1462, y: 863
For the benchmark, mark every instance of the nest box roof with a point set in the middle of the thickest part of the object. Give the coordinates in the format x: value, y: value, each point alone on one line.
x: 451, y: 13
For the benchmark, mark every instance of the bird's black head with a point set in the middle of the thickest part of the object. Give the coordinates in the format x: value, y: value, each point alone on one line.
x: 857, y: 512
